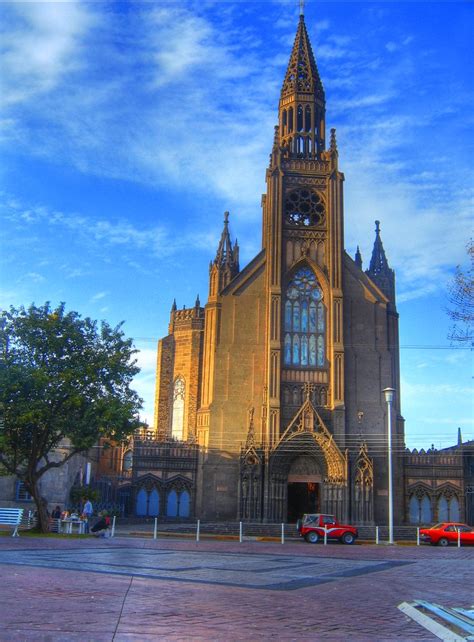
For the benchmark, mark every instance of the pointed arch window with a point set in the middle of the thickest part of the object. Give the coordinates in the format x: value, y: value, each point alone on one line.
x: 307, y: 118
x: 305, y: 323
x: 299, y: 119
x: 177, y: 424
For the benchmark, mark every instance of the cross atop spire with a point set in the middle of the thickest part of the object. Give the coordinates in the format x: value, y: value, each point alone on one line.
x: 301, y: 7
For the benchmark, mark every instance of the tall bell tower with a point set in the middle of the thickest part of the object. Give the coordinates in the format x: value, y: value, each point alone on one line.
x: 303, y: 239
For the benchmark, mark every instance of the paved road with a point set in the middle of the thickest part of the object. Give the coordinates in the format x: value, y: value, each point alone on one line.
x: 134, y: 589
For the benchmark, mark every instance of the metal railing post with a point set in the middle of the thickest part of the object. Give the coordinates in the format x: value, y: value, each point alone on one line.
x: 376, y: 534
x: 198, y: 530
x: 240, y: 532
x: 282, y: 533
x: 459, y: 538
x: 112, y: 534
x: 418, y: 536
x: 155, y: 530
x: 325, y: 534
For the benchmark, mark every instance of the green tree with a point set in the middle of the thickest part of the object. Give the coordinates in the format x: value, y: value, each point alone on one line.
x: 461, y: 300
x: 62, y: 377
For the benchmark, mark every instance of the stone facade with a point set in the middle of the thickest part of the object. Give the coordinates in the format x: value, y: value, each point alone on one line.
x: 440, y: 484
x: 279, y: 378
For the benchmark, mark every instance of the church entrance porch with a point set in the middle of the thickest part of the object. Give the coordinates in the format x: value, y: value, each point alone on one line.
x: 302, y: 497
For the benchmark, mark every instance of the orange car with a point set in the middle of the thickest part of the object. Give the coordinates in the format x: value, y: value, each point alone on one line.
x: 446, y: 533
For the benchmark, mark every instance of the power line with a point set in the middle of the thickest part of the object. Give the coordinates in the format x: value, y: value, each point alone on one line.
x: 361, y: 345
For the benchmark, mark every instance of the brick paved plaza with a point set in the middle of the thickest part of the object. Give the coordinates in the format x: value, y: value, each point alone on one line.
x: 137, y: 589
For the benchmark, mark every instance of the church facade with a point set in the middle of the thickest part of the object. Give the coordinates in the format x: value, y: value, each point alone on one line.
x: 275, y: 384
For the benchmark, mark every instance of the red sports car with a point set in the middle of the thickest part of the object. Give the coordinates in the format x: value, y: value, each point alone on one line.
x: 446, y: 533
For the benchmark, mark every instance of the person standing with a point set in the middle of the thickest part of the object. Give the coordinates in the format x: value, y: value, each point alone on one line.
x: 87, y: 514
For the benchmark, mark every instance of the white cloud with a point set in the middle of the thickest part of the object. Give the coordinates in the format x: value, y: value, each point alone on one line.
x: 98, y: 296
x: 41, y: 46
x: 33, y: 277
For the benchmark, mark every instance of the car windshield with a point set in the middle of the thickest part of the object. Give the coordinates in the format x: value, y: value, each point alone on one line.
x: 440, y: 525
x: 310, y: 519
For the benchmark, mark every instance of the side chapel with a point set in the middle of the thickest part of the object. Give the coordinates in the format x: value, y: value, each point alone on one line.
x: 270, y: 395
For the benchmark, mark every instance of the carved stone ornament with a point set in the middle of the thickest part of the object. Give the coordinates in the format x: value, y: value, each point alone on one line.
x: 304, y: 208
x: 307, y: 420
x: 305, y: 235
x: 306, y: 180
x: 364, y: 468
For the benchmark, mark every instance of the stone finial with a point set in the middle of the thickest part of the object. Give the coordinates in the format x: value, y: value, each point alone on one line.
x: 358, y: 258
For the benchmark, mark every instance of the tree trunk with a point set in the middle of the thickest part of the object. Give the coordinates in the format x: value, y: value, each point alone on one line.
x: 41, y: 504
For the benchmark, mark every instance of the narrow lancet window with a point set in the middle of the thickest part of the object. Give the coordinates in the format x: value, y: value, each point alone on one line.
x: 299, y: 119
x: 177, y: 425
x: 307, y: 117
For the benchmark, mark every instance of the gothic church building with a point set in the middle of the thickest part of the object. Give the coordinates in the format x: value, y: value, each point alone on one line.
x: 270, y: 396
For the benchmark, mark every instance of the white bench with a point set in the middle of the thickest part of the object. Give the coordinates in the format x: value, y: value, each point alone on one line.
x: 11, y: 517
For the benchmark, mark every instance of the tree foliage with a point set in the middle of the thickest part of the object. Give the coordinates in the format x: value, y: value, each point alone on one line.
x: 461, y: 301
x: 62, y: 377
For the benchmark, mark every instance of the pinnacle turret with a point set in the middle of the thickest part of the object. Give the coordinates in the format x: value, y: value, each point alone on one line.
x: 226, y: 264
x: 379, y: 270
x: 358, y: 258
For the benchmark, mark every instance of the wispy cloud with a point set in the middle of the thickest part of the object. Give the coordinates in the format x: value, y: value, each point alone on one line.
x: 99, y: 296
x: 42, y: 44
x: 190, y: 102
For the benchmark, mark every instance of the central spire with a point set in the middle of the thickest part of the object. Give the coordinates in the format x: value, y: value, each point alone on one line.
x: 302, y: 101
x: 302, y: 74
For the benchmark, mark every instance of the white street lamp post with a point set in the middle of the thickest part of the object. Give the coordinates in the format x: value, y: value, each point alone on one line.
x: 388, y: 392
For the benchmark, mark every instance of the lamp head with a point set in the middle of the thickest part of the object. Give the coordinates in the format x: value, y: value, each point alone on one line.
x: 388, y: 392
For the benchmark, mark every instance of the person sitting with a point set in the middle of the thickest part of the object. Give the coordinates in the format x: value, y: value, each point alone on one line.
x: 54, y: 525
x: 101, y: 527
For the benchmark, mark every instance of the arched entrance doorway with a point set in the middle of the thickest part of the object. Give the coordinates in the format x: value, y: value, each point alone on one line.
x: 307, y: 456
x: 304, y: 487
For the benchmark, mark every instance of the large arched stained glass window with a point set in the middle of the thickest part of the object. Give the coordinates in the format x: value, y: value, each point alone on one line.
x: 177, y: 425
x: 305, y: 322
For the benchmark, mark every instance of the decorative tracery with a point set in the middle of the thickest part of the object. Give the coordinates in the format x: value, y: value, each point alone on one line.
x: 177, y: 425
x: 305, y: 321
x: 304, y: 208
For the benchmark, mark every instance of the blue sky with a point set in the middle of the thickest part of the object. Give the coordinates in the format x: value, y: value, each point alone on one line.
x: 126, y: 130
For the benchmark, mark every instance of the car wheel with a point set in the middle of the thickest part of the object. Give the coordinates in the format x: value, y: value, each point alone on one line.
x: 312, y: 537
x: 443, y: 541
x: 348, y: 538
